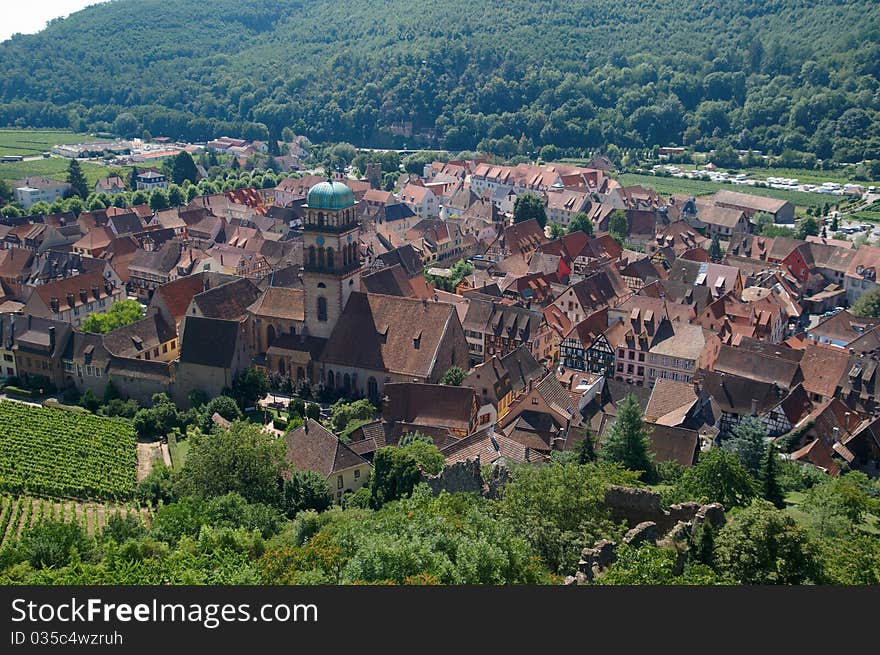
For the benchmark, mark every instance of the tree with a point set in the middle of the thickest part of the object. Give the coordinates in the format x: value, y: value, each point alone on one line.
x: 771, y: 489
x: 249, y: 387
x: 453, y: 376
x: 306, y: 490
x: 159, y: 200
x: 718, y: 477
x: 528, y: 206
x: 183, y: 168
x: 715, y: 249
x: 5, y: 191
x: 585, y: 449
x: 557, y: 230
x: 618, y: 225
x: 313, y: 411
x: 77, y: 179
x: 242, y: 459
x: 176, y: 196
x: 749, y: 443
x: 868, y: 304
x: 560, y: 507
x: 764, y: 545
x: 835, y: 224
x: 629, y: 443
x: 120, y: 314
x: 582, y: 222
x: 90, y: 401
x: 395, y: 475
x: 808, y: 227
x: 132, y: 181
x: 51, y: 543
x: 222, y: 405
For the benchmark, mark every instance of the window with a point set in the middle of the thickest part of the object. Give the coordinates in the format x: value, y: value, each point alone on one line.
x: 641, y: 357
x: 173, y: 344
x: 535, y: 400
x: 322, y: 308
x: 164, y: 347
x: 7, y: 358
x: 629, y: 368
x: 640, y: 370
x: 357, y: 474
x: 339, y: 482
x: 156, y: 351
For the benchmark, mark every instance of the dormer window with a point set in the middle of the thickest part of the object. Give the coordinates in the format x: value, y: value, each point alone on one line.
x: 417, y: 341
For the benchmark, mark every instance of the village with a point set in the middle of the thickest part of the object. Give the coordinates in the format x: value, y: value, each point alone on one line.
x: 505, y: 312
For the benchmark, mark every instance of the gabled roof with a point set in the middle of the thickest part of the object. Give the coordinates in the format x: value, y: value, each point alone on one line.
x: 228, y: 301
x: 822, y: 368
x: 429, y: 404
x: 667, y: 396
x: 311, y: 447
x: 280, y: 302
x: 759, y: 367
x: 389, y: 333
x: 490, y: 445
x: 673, y: 444
x: 522, y: 367
x: 160, y: 262
x: 208, y: 341
x: 750, y: 202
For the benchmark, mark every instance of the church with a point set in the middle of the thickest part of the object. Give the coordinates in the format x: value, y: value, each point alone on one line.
x: 330, y: 332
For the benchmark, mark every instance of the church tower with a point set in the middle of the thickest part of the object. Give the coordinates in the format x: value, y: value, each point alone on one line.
x: 331, y: 257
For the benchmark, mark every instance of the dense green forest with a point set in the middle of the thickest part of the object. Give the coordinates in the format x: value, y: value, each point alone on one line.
x: 769, y: 75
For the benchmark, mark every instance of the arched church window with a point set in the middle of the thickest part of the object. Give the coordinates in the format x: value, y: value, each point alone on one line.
x: 322, y: 308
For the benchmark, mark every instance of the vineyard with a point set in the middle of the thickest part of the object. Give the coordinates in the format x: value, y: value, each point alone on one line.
x: 50, y: 452
x: 19, y: 513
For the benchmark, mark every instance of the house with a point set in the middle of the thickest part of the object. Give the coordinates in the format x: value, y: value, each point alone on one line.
x: 861, y: 274
x: 72, y: 299
x: 782, y: 211
x: 671, y: 402
x: 380, y: 339
x: 563, y: 204
x: 148, y: 270
x: 37, y: 345
x: 94, y: 243
x: 605, y: 288
x: 509, y: 327
x: 421, y: 200
x: 229, y: 301
x: 148, y: 180
x: 490, y: 381
x: 490, y: 445
x: 733, y: 398
x: 212, y: 352
x: 311, y: 447
x: 128, y: 223
x: 34, y: 189
x: 585, y: 347
x: 114, y: 184
x: 432, y: 405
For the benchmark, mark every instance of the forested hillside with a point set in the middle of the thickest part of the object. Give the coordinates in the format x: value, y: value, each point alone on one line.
x: 763, y: 74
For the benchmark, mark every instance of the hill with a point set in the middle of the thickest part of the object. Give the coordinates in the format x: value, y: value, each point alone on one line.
x: 514, y: 75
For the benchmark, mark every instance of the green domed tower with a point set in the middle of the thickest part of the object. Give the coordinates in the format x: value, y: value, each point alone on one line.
x: 331, y: 256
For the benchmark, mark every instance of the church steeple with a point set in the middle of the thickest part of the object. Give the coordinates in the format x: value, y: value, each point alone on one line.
x: 331, y: 254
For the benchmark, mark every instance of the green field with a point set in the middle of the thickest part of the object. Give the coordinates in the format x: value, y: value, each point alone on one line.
x: 670, y: 185
x: 51, y: 452
x: 54, y: 167
x: 35, y: 142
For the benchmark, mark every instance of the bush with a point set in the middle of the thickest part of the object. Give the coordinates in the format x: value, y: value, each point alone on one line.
x: 18, y: 391
x: 50, y: 543
x: 279, y: 423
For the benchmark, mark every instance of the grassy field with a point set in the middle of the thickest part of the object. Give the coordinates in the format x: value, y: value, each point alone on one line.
x: 54, y: 167
x: 670, y: 185
x: 35, y: 142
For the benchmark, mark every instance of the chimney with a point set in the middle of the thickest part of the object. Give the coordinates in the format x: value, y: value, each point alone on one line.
x: 754, y: 406
x: 51, y: 337
x: 835, y: 434
x: 83, y: 296
x: 70, y: 300
x: 96, y: 292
